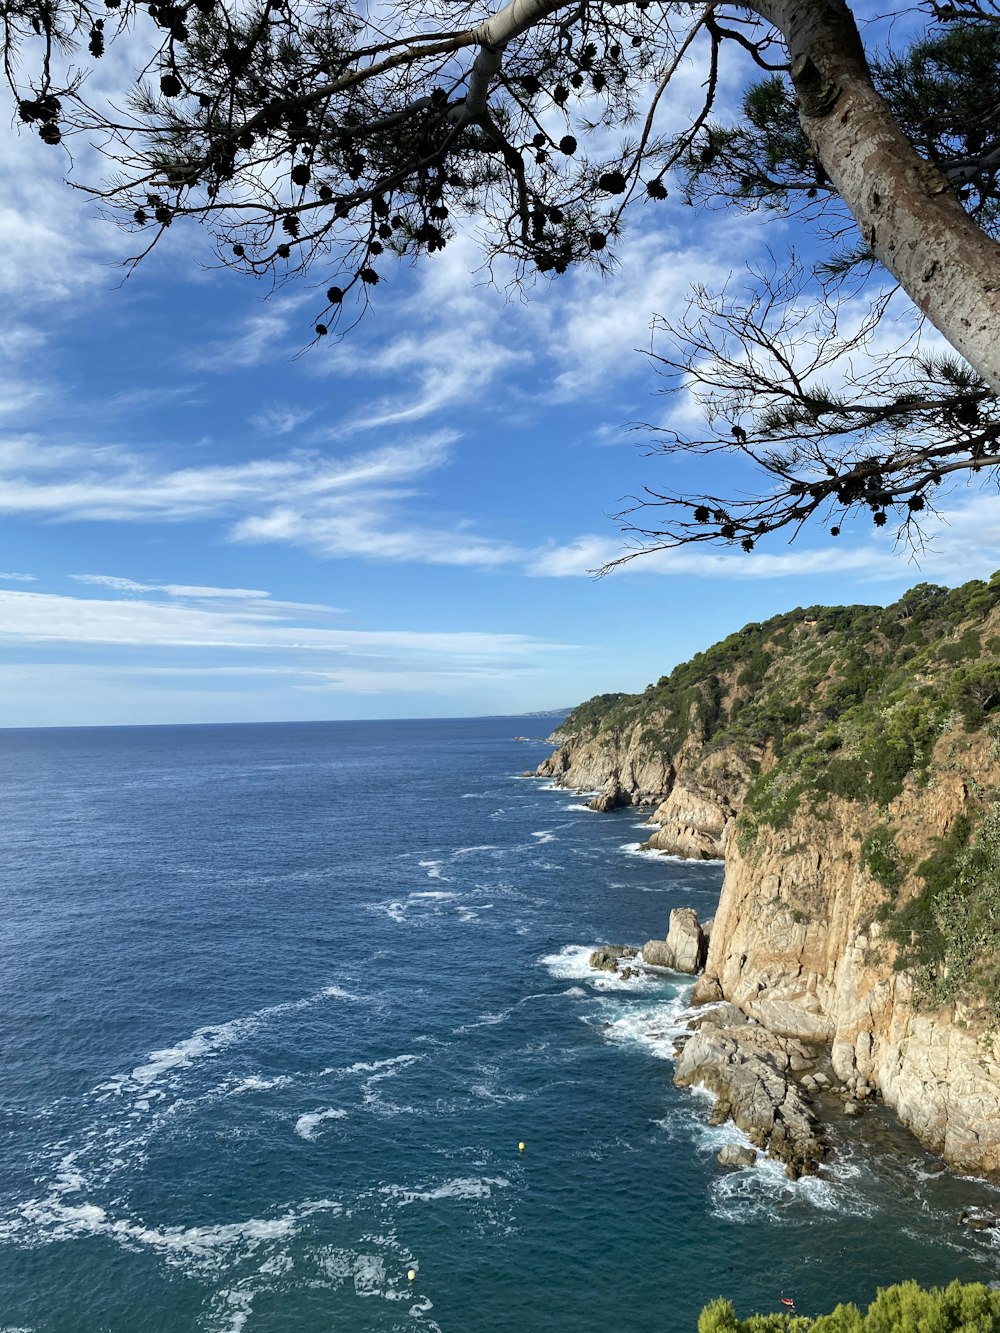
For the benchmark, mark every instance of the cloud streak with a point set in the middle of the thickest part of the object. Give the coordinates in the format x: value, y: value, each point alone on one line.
x: 36, y: 617
x: 336, y: 506
x: 114, y: 583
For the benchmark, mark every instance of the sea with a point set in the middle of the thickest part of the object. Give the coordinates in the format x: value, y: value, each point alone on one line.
x: 298, y: 1034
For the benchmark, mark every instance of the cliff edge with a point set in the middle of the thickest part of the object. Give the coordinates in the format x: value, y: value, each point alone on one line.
x: 846, y: 763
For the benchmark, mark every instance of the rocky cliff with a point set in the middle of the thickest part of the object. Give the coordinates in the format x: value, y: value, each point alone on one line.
x: 846, y: 763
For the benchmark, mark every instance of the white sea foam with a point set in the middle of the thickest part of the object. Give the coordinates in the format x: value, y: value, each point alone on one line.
x: 464, y: 1187
x: 650, y: 853
x: 68, y: 1179
x: 494, y: 1017
x: 544, y: 837
x: 487, y: 1020
x: 374, y: 1066
x: 337, y: 993
x: 578, y: 805
x: 307, y: 1125
x: 488, y: 1091
x: 398, y: 909
x: 208, y: 1041
x: 480, y: 847
x: 367, y: 1272
x: 209, y: 1248
x: 254, y: 1084
x: 375, y: 1073
x: 761, y: 1192
x: 653, y: 1027
x: 433, y: 869
x: 764, y: 1192
x: 637, y: 849
x: 572, y: 963
x: 237, y: 1305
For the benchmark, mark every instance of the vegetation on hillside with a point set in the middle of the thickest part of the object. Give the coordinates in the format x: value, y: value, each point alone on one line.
x: 906, y: 1308
x: 847, y: 703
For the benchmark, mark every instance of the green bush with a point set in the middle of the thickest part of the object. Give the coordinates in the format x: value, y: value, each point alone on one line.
x: 947, y: 935
x: 967, y: 1307
x: 974, y: 691
x: 880, y: 857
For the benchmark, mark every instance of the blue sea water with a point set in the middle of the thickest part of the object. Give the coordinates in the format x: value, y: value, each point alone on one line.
x: 277, y: 1006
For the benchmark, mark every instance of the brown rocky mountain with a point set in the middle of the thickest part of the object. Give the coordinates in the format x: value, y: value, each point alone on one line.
x: 846, y: 763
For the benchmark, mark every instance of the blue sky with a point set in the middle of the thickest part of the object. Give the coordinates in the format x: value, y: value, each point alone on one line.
x: 198, y: 523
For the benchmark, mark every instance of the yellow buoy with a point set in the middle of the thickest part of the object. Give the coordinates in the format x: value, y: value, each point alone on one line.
x: 520, y: 1147
x: 412, y: 1275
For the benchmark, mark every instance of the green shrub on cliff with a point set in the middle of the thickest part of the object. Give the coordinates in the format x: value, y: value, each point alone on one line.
x: 947, y: 934
x: 960, y: 1307
x: 880, y: 857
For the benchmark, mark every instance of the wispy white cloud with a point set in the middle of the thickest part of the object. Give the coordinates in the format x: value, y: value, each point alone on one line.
x: 346, y: 505
x: 35, y: 617
x: 279, y: 420
x: 115, y: 583
x: 355, y: 527
x: 597, y: 328
x: 86, y: 482
x: 452, y: 340
x: 18, y: 578
x: 276, y: 329
x: 458, y: 344
x: 52, y: 246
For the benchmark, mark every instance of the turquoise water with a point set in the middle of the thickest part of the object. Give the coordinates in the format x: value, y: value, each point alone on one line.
x: 279, y: 1003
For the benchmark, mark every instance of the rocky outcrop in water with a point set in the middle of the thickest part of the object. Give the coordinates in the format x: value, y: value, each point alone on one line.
x: 684, y: 948
x: 752, y: 1073
x: 606, y: 957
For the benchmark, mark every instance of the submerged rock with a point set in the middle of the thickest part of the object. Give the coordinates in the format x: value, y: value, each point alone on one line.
x: 735, y: 1154
x: 979, y: 1219
x: 603, y: 960
x: 607, y: 957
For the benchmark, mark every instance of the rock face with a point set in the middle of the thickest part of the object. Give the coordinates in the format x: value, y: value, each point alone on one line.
x: 657, y: 953
x: 795, y: 944
x: 685, y: 947
x: 615, y: 764
x: 613, y: 798
x: 752, y: 1074
x: 698, y: 809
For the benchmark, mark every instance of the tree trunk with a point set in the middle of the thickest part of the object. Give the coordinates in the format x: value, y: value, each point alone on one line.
x: 907, y: 212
